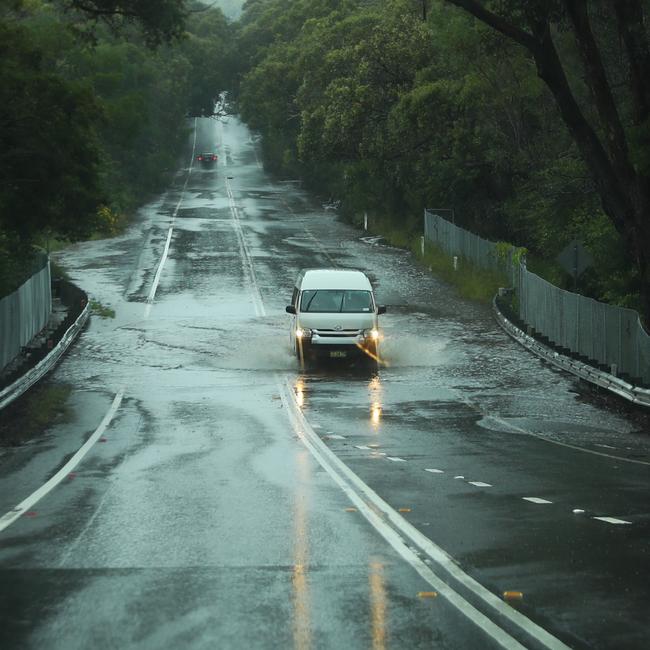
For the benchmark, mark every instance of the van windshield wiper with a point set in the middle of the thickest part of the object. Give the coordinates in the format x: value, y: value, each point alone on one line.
x: 310, y: 301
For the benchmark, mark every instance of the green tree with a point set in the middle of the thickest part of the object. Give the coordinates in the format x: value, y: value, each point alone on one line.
x: 613, y: 132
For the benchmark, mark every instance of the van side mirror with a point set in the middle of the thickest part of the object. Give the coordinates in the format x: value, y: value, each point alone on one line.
x: 290, y: 309
x: 381, y: 309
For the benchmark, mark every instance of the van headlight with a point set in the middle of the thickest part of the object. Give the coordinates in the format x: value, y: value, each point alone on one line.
x: 372, y: 334
x: 303, y: 333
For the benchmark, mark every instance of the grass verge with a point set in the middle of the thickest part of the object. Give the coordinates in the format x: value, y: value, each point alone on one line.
x: 471, y: 282
x: 100, y: 310
x: 33, y: 413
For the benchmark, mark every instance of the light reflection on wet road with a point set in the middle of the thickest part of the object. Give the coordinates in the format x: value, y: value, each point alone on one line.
x: 203, y: 521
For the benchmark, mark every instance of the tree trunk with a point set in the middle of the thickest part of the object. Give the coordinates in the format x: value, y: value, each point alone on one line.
x: 624, y: 191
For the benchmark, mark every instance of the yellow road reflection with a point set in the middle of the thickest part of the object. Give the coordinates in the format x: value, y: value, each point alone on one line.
x: 301, y: 598
x: 299, y: 389
x: 378, y: 606
x: 375, y: 390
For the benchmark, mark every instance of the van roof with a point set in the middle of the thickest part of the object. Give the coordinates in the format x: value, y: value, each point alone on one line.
x: 334, y: 279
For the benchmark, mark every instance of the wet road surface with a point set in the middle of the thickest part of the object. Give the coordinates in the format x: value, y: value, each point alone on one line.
x: 211, y: 511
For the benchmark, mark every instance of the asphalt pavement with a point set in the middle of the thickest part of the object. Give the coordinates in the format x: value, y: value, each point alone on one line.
x: 463, y: 495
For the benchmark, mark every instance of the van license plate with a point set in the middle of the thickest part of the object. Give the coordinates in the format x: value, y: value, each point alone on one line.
x: 338, y: 354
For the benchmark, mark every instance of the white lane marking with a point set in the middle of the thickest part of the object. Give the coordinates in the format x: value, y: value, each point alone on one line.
x: 334, y: 436
x: 247, y: 258
x: 605, y: 446
x: 163, y: 259
x: 316, y: 426
x: 394, y: 528
x: 479, y: 484
x: 363, y: 447
x: 328, y: 460
x: 516, y: 429
x: 459, y: 476
x: 435, y: 471
x: 535, y: 500
x: 396, y: 459
x: 612, y: 520
x: 49, y: 485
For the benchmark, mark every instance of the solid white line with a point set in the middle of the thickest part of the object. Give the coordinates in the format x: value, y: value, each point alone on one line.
x: 535, y: 500
x: 372, y: 506
x: 354, y: 487
x: 516, y: 429
x: 247, y: 258
x: 612, y: 520
x: 163, y: 259
x: 47, y: 487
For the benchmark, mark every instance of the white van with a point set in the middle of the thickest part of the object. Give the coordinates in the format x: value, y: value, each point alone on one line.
x: 334, y: 314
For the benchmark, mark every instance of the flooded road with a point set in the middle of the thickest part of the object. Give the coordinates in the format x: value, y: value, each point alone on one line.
x: 235, y: 499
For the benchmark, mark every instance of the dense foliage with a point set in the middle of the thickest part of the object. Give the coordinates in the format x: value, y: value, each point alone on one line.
x: 399, y: 105
x: 92, y: 117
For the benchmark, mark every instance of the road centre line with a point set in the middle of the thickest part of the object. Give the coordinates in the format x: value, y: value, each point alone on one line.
x: 247, y: 259
x: 536, y: 500
x: 358, y: 492
x: 9, y: 518
x: 398, y: 533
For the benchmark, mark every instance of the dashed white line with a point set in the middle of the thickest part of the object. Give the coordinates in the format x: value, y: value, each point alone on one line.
x: 434, y: 471
x: 479, y: 484
x: 335, y: 436
x: 536, y: 500
x: 398, y: 533
x: 364, y: 447
x: 396, y: 459
x: 613, y: 520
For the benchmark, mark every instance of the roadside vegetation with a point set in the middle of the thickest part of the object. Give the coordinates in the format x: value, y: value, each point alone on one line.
x: 93, y: 105
x: 391, y: 107
x: 36, y: 411
x: 531, y: 121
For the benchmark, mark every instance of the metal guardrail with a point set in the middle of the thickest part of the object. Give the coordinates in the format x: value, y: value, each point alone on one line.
x: 25, y: 312
x: 640, y: 396
x: 66, y: 333
x: 607, y: 336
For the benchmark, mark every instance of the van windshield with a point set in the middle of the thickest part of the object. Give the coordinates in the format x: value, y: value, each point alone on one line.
x: 335, y: 300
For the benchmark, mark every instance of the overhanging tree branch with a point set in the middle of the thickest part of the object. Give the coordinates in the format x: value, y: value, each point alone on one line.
x: 497, y: 22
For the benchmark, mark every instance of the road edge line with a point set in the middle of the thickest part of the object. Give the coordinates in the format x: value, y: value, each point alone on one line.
x: 11, y: 516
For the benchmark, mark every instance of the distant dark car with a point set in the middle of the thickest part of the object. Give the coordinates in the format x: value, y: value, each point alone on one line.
x: 207, y: 158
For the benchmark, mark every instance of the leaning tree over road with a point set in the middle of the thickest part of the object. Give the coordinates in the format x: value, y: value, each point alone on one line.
x: 615, y: 141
